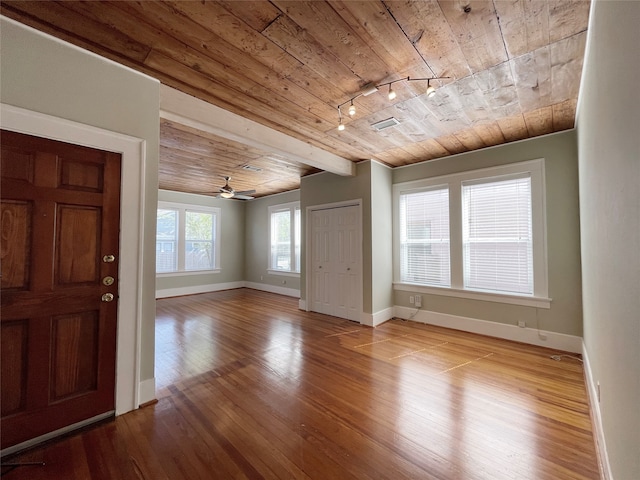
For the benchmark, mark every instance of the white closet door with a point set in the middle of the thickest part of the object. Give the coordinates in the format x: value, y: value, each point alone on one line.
x: 336, y: 262
x: 321, y: 261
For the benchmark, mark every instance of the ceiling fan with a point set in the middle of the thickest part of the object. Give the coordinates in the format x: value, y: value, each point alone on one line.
x: 227, y: 192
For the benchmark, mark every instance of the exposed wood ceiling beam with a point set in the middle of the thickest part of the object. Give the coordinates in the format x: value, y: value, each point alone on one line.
x: 181, y: 108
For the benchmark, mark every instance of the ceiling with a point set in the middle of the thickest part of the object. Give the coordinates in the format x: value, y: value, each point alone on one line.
x: 514, y: 68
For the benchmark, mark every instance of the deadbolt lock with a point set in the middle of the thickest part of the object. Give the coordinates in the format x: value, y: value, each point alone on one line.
x: 109, y: 258
x: 107, y: 297
x: 108, y: 281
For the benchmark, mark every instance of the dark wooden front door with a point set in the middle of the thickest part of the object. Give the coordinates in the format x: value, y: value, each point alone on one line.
x: 60, y: 218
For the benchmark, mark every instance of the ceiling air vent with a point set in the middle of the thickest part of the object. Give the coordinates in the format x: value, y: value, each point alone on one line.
x: 251, y: 168
x: 389, y: 122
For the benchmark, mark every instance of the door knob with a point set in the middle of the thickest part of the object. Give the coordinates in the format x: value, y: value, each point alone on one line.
x: 107, y: 297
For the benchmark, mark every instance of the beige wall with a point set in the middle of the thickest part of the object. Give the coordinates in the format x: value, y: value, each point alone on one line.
x: 563, y: 238
x: 49, y: 76
x: 609, y: 161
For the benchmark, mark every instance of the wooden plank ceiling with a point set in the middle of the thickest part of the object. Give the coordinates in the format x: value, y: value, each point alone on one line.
x: 515, y: 69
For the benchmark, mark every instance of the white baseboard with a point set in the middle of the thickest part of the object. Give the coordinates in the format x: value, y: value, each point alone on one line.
x: 289, y: 292
x: 596, y: 418
x: 378, y: 318
x: 212, y: 287
x: 146, y: 391
x: 532, y: 336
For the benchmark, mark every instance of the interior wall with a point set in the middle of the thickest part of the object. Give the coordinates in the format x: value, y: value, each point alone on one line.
x: 256, y: 241
x: 381, y: 237
x: 232, y: 258
x: 563, y: 236
x: 42, y: 74
x: 325, y: 188
x: 609, y: 160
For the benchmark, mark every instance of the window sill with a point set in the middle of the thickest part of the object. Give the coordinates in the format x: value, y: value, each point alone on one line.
x: 283, y: 273
x: 185, y: 273
x: 527, y: 301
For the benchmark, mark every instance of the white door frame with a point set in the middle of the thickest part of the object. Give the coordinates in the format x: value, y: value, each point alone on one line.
x: 133, y: 152
x: 308, y: 229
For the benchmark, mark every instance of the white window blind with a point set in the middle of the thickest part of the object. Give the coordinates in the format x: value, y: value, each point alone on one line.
x: 424, y: 237
x: 497, y: 235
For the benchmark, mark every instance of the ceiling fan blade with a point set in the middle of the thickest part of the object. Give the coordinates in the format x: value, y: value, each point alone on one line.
x: 243, y: 197
x: 245, y: 192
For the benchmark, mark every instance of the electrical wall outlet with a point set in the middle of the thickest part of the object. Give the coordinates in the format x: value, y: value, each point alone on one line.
x: 522, y: 323
x: 418, y: 300
x: 411, y: 300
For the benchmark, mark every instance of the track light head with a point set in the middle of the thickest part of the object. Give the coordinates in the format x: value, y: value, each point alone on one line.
x: 431, y: 90
x: 392, y: 93
x: 352, y: 109
x: 341, y: 126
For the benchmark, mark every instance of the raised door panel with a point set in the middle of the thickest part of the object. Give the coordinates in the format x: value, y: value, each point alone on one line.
x: 77, y: 251
x: 74, y: 355
x: 15, y: 248
x: 79, y: 175
x: 14, y: 338
x: 17, y: 165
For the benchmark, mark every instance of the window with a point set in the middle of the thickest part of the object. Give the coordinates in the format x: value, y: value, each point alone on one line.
x: 284, y: 238
x: 424, y: 237
x: 477, y: 234
x: 166, y: 239
x: 497, y: 240
x: 187, y: 238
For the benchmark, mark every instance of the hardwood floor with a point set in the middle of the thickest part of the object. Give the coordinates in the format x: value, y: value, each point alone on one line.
x: 251, y: 387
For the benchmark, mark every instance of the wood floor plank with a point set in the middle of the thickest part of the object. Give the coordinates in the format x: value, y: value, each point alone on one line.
x: 250, y: 387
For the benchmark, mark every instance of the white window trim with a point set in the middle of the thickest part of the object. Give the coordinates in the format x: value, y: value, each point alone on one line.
x: 182, y: 208
x: 283, y: 273
x: 291, y: 207
x: 454, y: 181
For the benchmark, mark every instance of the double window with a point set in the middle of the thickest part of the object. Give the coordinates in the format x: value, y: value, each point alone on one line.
x: 284, y: 238
x: 478, y: 234
x: 187, y: 238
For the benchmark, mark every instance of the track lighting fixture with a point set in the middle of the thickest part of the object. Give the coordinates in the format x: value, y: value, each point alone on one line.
x: 370, y: 89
